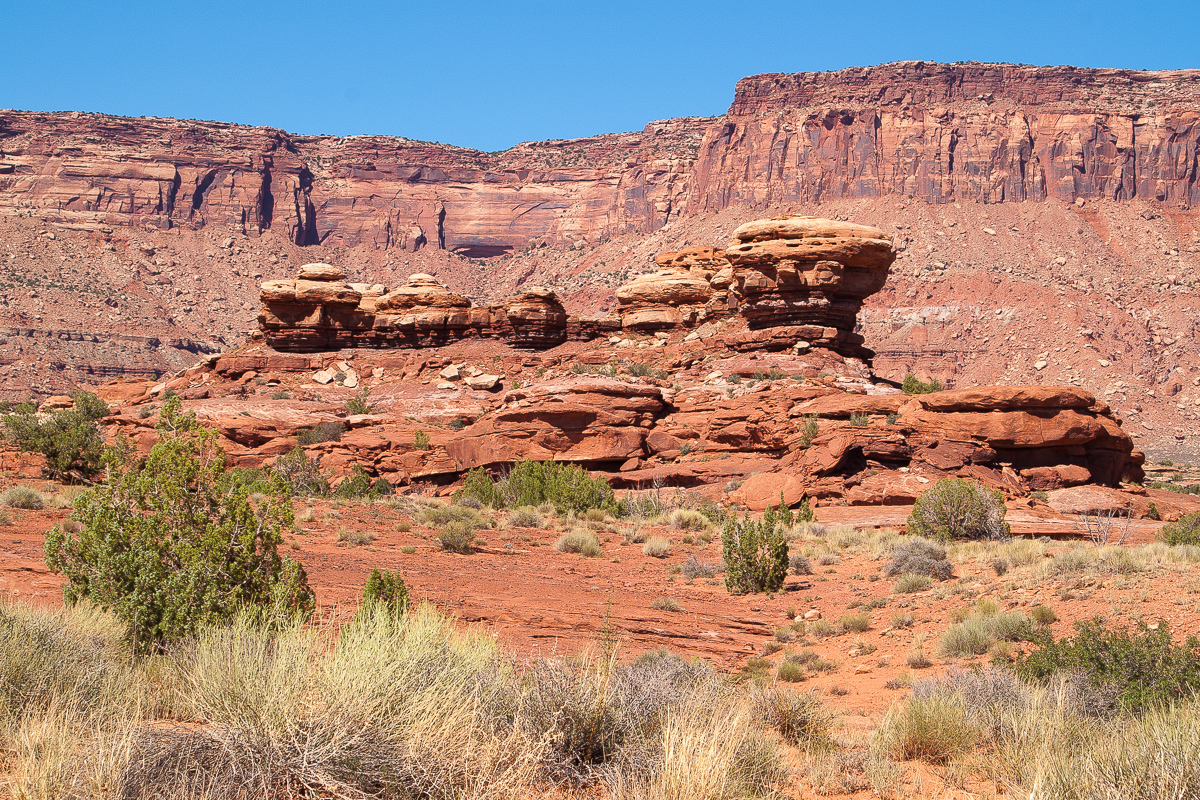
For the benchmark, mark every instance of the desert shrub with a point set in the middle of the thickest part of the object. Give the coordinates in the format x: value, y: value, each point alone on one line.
x: 458, y: 537
x: 859, y: 420
x: 421, y: 440
x: 531, y: 483
x: 1185, y: 530
x: 70, y: 439
x: 583, y: 542
x: 1043, y: 615
x: 933, y: 729
x: 911, y: 385
x: 756, y: 554
x: 255, y: 481
x: 25, y: 497
x: 687, y: 520
x: 828, y: 559
x: 469, y: 502
x: 641, y: 370
x: 321, y: 432
x: 301, y: 474
x: 902, y: 620
x: 438, y: 515
x: 958, y: 509
x: 919, y: 557
x: 856, y: 622
x: 695, y: 568
x: 1143, y: 668
x: 525, y: 517
x: 791, y: 672
x: 360, y: 403
x: 355, y: 538
x: 387, y: 589
x: 357, y: 484
x: 976, y: 635
x: 169, y: 546
x: 666, y: 604
x: 809, y: 429
x: 911, y: 582
x: 799, y: 564
x: 657, y: 547
x: 799, y: 717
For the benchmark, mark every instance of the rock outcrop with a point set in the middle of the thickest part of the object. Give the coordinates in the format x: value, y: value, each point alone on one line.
x: 798, y: 281
x: 317, y: 311
x: 936, y: 132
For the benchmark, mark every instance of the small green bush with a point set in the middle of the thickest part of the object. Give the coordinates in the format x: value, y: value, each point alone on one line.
x: 976, y: 635
x: 859, y: 420
x: 70, y: 440
x: 457, y: 537
x: 360, y: 403
x: 322, y: 432
x: 357, y: 485
x: 531, y: 483
x: 583, y: 542
x: 913, y: 386
x: 386, y: 588
x: 24, y: 497
x: 1185, y: 530
x: 756, y: 554
x: 791, y: 672
x: 958, y: 509
x: 856, y: 622
x: 421, y: 440
x: 170, y: 546
x: 301, y: 474
x: 1043, y: 615
x: 808, y: 431
x: 1144, y: 668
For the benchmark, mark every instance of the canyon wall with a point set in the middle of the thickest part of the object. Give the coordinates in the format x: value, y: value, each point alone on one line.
x: 940, y: 133
x: 1041, y: 216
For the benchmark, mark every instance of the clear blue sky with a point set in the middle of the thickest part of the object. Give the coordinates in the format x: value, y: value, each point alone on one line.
x: 491, y: 74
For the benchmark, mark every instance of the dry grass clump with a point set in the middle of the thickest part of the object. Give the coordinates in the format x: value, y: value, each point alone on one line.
x: 919, y: 557
x: 666, y: 604
x: 584, y: 542
x: 657, y: 547
x: 695, y: 568
x: 976, y: 635
x: 525, y: 517
x: 355, y: 538
x: 910, y: 583
x: 390, y: 705
x: 24, y: 497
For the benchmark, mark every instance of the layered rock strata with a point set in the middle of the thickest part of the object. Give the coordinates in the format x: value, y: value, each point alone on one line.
x: 319, y: 311
x: 798, y: 282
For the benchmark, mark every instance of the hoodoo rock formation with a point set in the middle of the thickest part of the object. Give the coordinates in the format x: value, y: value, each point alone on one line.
x: 802, y: 279
x: 788, y: 418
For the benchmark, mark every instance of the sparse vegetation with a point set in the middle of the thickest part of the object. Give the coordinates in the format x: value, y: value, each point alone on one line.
x: 958, y: 509
x: 171, y: 544
x: 360, y: 403
x: 531, y: 483
x: 421, y: 440
x: 912, y: 385
x: 666, y: 604
x: 916, y: 556
x: 24, y: 497
x: 386, y: 588
x: 1185, y: 530
x: 69, y: 439
x: 756, y: 554
x: 583, y: 542
x: 322, y: 432
x: 657, y: 547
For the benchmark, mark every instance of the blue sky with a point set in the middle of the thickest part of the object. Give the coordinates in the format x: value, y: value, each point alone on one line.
x: 491, y: 74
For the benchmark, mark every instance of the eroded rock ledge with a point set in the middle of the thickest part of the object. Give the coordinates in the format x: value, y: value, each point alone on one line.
x: 797, y: 281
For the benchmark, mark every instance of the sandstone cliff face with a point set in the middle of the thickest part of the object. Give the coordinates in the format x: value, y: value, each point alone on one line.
x: 971, y: 132
x: 974, y: 132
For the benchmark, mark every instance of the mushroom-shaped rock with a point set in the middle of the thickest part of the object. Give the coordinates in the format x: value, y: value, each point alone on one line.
x: 807, y: 270
x: 673, y: 295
